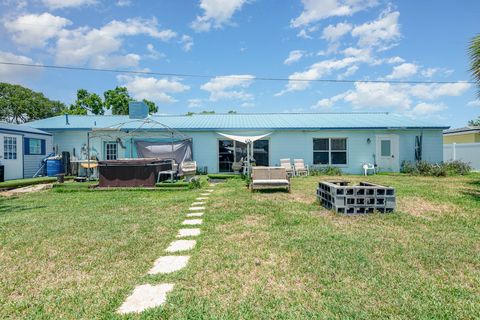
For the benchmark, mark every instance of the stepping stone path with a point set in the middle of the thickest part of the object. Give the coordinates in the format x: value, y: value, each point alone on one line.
x: 168, y: 264
x: 181, y: 245
x: 182, y: 233
x: 195, y: 214
x: 146, y: 296
x: 192, y: 222
x: 151, y: 296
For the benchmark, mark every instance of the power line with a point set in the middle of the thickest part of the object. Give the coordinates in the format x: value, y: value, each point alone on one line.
x: 190, y: 75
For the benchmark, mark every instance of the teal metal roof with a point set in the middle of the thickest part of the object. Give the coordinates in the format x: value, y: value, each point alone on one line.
x: 252, y: 121
x: 20, y: 128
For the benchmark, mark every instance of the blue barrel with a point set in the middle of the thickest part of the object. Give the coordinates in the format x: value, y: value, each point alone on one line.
x: 54, y: 167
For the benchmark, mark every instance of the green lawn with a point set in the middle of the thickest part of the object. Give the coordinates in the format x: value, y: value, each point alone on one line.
x: 79, y: 254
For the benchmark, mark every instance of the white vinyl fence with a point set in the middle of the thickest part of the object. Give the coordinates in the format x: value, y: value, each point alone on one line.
x: 467, y: 152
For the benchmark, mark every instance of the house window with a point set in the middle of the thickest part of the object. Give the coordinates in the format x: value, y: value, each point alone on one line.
x: 330, y: 151
x: 10, y: 148
x: 111, y: 151
x: 385, y: 148
x: 34, y: 146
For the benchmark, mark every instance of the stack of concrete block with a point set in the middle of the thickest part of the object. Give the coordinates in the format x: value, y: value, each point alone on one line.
x: 364, y: 198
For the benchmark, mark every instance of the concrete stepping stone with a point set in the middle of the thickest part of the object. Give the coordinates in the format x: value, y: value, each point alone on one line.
x: 196, y: 208
x: 192, y: 222
x: 209, y: 190
x: 181, y: 245
x: 188, y: 232
x: 202, y: 198
x: 169, y: 264
x: 205, y: 194
x: 195, y: 214
x: 146, y: 296
x: 200, y: 203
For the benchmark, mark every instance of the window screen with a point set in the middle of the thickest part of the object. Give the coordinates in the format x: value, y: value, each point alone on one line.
x: 330, y: 151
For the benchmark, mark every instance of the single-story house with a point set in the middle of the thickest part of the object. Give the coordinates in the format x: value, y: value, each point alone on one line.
x: 22, y: 149
x: 470, y: 134
x: 345, y: 140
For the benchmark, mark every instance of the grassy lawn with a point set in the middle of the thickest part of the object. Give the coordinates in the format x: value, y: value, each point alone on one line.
x: 261, y: 255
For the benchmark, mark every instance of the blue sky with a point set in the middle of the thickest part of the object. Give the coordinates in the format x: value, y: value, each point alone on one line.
x: 239, y: 40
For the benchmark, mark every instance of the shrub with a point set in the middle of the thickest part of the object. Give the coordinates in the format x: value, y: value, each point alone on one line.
x: 325, y: 171
x: 441, y: 169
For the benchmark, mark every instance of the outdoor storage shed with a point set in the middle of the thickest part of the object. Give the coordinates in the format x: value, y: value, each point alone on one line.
x: 22, y: 150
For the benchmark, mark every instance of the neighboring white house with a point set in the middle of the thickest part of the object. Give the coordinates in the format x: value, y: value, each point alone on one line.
x: 22, y: 150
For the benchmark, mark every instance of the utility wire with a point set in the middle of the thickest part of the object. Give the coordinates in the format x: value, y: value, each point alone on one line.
x: 190, y: 75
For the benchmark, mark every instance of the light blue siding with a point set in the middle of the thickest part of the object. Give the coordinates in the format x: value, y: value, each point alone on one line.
x: 282, y: 144
x: 31, y: 163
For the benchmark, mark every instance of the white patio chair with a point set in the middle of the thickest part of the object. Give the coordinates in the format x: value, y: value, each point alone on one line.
x: 300, y: 168
x: 368, y: 166
x: 285, y: 163
x: 189, y: 169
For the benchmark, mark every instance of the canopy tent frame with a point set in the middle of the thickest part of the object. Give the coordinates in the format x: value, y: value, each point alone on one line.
x: 248, y: 141
x: 119, y: 131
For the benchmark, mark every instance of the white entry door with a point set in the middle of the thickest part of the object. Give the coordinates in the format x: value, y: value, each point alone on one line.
x: 387, y: 153
x: 11, y: 147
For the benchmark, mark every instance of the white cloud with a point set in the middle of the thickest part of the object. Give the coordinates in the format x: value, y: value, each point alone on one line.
x: 333, y: 33
x: 403, y: 70
x: 16, y: 73
x: 153, y: 53
x: 151, y: 88
x: 378, y: 95
x: 229, y: 87
x: 383, y: 32
x: 34, y: 30
x: 195, y: 103
x: 435, y: 91
x: 92, y: 46
x: 61, y: 4
x: 300, y: 80
x: 426, y: 109
x: 474, y: 103
x: 395, y: 60
x: 216, y: 14
x: 187, y: 42
x: 316, y: 10
x: 403, y: 98
x: 294, y: 56
x: 123, y: 3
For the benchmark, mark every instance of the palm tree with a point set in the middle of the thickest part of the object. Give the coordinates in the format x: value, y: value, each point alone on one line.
x: 474, y: 52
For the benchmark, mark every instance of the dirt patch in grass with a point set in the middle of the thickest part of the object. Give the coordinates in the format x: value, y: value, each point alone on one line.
x: 420, y: 207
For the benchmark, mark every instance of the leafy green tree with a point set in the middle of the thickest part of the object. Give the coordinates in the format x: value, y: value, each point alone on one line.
x: 87, y: 102
x: 475, y: 123
x: 117, y: 99
x: 474, y: 52
x: 152, y: 107
x: 19, y: 104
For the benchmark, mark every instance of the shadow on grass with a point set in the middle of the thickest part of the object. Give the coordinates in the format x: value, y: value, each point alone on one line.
x: 473, y: 193
x: 270, y: 191
x: 6, y: 208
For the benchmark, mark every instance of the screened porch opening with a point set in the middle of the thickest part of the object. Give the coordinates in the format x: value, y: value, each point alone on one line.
x: 230, y: 151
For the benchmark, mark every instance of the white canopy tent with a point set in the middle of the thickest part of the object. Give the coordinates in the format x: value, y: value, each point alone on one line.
x: 248, y: 140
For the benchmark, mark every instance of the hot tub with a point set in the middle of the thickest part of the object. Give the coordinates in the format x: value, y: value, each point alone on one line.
x: 131, y: 172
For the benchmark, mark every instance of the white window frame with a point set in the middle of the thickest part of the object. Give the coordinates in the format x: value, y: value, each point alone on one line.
x: 12, y: 153
x: 36, y: 151
x: 329, y: 151
x: 111, y: 143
